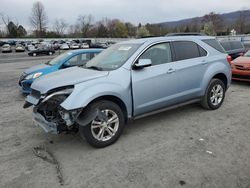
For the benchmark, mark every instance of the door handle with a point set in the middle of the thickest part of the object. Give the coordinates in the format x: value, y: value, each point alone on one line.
x: 171, y: 70
x: 204, y: 62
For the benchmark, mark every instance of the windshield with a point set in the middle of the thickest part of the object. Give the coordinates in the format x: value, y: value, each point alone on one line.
x: 113, y: 57
x: 59, y: 58
x: 247, y: 54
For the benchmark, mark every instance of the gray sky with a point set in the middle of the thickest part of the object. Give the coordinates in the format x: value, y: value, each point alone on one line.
x: 135, y: 11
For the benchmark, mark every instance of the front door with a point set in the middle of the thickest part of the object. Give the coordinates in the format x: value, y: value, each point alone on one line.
x: 156, y: 86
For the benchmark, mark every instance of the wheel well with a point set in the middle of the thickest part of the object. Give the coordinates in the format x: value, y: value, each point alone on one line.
x: 116, y: 100
x: 222, y: 77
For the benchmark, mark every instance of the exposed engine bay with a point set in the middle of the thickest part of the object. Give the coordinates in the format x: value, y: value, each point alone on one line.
x: 49, y: 114
x: 52, y: 112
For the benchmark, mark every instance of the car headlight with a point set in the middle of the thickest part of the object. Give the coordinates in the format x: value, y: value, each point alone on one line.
x: 33, y: 76
x: 66, y: 91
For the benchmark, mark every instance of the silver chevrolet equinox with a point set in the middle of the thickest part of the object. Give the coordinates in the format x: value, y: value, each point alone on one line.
x: 130, y: 80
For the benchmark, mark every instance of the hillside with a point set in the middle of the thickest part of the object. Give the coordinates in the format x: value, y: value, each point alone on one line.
x: 228, y: 18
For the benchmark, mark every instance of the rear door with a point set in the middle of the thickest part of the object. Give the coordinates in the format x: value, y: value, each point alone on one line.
x: 156, y: 86
x: 191, y: 63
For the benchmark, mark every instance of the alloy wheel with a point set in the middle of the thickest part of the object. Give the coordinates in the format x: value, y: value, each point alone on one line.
x: 216, y: 95
x: 104, y: 130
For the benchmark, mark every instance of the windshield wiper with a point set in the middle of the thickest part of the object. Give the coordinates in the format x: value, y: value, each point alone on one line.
x: 95, y: 68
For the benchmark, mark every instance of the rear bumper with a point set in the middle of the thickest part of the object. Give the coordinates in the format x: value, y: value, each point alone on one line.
x: 48, y: 127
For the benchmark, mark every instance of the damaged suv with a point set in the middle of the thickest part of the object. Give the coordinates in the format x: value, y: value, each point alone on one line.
x: 130, y: 80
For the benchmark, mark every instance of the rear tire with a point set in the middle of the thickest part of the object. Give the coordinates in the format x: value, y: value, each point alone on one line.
x: 214, y: 96
x: 102, y: 133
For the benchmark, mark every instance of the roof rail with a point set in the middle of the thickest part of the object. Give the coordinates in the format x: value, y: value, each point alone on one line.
x: 185, y: 34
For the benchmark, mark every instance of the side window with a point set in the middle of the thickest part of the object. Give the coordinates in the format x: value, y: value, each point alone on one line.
x: 86, y: 57
x: 226, y: 45
x: 186, y: 50
x: 202, y: 51
x: 75, y: 61
x: 215, y: 44
x: 236, y: 45
x: 78, y: 60
x: 159, y: 54
x: 94, y: 54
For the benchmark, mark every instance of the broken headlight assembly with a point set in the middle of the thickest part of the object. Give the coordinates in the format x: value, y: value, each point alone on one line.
x: 50, y: 108
x: 57, y: 92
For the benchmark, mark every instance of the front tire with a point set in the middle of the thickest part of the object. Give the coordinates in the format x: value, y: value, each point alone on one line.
x: 34, y: 54
x: 214, y: 95
x: 100, y: 133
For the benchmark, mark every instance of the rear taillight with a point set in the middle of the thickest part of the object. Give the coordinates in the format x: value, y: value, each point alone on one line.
x: 229, y: 59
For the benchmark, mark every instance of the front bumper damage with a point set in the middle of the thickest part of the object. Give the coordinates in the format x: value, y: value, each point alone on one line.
x: 48, y: 113
x: 48, y: 127
x: 52, y: 118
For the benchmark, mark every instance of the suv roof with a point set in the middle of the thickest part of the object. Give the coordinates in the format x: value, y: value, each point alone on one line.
x: 156, y: 39
x: 186, y: 34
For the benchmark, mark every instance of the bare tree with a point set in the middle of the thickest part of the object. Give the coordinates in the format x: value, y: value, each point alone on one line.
x: 214, y: 19
x: 84, y: 23
x: 60, y: 25
x: 6, y: 20
x: 38, y: 18
x: 11, y: 27
x: 241, y: 22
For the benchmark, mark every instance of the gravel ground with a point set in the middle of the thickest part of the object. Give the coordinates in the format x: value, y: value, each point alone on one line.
x: 185, y: 147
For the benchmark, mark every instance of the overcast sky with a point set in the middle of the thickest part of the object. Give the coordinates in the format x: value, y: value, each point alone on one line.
x: 135, y: 11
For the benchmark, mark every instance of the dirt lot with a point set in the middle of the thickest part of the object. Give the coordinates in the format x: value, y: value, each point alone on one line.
x: 186, y: 147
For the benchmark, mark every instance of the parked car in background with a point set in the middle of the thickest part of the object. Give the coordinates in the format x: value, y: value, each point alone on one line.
x: 74, y: 46
x: 2, y: 43
x: 63, y: 61
x: 130, y: 80
x: 6, y: 48
x: 42, y: 51
x: 110, y: 43
x: 11, y: 42
x: 30, y: 47
x: 98, y: 45
x: 233, y: 48
x: 19, y: 48
x: 241, y: 67
x: 64, y: 47
x: 85, y: 45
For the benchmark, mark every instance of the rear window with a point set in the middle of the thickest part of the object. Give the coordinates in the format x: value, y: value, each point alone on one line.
x: 236, y: 45
x: 214, y: 44
x: 226, y: 46
x: 232, y: 45
x: 187, y: 50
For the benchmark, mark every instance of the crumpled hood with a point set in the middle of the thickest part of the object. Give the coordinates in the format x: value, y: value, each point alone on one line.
x: 65, y: 77
x: 37, y: 68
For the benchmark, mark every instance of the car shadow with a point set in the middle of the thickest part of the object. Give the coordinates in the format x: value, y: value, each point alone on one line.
x: 241, y: 83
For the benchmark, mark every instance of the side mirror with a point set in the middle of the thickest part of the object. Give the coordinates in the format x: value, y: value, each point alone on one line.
x: 141, y: 63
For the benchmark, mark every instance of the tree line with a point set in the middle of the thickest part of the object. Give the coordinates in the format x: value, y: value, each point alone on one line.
x: 86, y: 27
